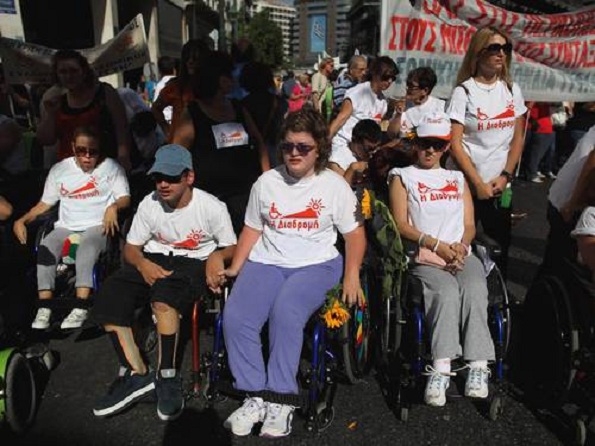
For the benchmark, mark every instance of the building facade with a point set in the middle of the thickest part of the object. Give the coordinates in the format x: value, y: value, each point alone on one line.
x: 320, y: 27
x: 364, y: 20
x: 283, y: 16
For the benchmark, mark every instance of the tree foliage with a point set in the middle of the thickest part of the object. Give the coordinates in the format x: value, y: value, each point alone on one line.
x: 267, y: 39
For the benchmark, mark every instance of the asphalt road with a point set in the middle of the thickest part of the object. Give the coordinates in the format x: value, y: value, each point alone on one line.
x: 87, y: 366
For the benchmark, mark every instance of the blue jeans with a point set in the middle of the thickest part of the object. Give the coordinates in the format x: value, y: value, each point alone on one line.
x: 543, y: 148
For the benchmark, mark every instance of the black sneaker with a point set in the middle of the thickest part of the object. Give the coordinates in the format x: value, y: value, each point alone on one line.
x: 170, y: 401
x: 123, y: 392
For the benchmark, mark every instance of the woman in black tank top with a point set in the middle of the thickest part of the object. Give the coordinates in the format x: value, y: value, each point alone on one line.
x: 227, y: 150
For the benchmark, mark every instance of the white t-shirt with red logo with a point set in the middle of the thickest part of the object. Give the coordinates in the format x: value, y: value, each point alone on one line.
x: 194, y: 231
x: 434, y: 201
x: 299, y: 219
x: 412, y: 116
x: 488, y: 113
x: 83, y: 196
x: 366, y: 105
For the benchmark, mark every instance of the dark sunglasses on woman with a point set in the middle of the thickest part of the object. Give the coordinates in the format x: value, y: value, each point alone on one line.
x: 497, y: 47
x: 302, y: 149
x: 427, y: 144
x: 85, y: 151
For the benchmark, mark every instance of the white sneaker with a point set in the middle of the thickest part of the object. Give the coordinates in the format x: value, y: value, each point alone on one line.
x: 277, y: 422
x: 243, y: 419
x: 539, y: 174
x: 537, y: 179
x: 42, y: 319
x: 476, y: 385
x: 552, y: 175
x: 435, y: 394
x: 75, y: 319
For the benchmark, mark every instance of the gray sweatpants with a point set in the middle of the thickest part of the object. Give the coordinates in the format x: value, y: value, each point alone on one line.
x: 456, y: 309
x: 92, y: 243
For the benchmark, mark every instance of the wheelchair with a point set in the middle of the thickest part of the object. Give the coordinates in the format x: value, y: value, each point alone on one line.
x: 558, y: 347
x: 64, y: 288
x: 403, y: 342
x: 328, y: 358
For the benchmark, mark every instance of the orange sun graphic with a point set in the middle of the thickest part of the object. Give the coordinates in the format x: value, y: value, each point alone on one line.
x: 316, y: 205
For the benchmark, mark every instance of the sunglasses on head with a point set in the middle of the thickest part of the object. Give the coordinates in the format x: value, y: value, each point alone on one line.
x: 171, y: 179
x: 85, y: 151
x: 497, y: 47
x: 427, y: 144
x: 302, y: 149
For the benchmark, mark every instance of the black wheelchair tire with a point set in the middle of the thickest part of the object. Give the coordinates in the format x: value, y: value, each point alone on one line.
x: 21, y: 394
x: 356, y: 369
x: 503, y: 305
x: 558, y: 342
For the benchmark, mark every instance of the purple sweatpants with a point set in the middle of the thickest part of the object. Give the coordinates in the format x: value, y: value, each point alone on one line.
x: 286, y: 297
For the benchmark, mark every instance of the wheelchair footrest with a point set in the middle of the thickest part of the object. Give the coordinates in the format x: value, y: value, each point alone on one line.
x: 226, y: 388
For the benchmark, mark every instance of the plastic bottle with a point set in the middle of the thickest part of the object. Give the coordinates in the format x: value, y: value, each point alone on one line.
x: 506, y: 197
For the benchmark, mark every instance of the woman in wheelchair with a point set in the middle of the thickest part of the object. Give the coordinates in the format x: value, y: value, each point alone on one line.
x: 285, y: 263
x: 433, y: 207
x: 91, y: 190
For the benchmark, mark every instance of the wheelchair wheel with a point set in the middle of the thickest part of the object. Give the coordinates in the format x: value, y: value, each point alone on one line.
x: 355, y: 334
x: 551, y: 341
x: 498, y: 296
x: 18, y: 393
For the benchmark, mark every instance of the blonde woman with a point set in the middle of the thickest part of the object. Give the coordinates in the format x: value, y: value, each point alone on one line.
x: 320, y: 80
x: 486, y: 110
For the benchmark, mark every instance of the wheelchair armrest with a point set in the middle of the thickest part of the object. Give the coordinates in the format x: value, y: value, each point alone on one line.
x: 492, y: 246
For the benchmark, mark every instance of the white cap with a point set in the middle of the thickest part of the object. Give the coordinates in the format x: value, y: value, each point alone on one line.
x: 434, y: 125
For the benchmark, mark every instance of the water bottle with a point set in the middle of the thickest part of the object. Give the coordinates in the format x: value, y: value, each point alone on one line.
x: 506, y: 197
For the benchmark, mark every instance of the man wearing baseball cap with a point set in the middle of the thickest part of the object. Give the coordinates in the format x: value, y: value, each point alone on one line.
x: 179, y: 240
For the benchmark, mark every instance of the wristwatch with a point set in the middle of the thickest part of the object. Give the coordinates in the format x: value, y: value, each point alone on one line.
x: 506, y: 175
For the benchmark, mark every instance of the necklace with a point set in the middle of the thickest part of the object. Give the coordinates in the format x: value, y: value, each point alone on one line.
x: 489, y: 89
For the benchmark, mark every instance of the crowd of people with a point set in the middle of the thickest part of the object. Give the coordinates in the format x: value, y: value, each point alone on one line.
x: 254, y: 182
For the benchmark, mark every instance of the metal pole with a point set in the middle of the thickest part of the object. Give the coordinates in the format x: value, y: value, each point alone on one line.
x: 222, y: 42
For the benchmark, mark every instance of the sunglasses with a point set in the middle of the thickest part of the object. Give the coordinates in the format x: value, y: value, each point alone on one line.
x: 159, y: 177
x: 411, y: 87
x: 497, y: 47
x: 388, y: 77
x: 427, y: 144
x: 85, y: 151
x: 302, y: 149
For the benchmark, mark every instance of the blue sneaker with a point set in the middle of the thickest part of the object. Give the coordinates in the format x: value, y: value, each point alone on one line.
x: 126, y: 390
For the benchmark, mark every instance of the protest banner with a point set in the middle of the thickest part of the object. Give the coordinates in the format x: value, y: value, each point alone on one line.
x: 29, y: 63
x: 553, y: 58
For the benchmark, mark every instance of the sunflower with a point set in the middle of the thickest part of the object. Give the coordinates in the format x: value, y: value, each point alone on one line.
x: 366, y: 204
x: 334, y: 313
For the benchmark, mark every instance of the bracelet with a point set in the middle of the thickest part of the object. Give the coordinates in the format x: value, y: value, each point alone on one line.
x: 506, y: 175
x: 435, y: 248
x: 421, y: 240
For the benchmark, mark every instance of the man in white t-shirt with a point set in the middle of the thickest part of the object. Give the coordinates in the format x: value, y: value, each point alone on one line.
x: 566, y: 200
x: 420, y: 83
x: 91, y: 190
x: 364, y: 101
x: 180, y: 239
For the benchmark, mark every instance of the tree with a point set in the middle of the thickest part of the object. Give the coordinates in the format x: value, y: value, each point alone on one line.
x: 267, y: 39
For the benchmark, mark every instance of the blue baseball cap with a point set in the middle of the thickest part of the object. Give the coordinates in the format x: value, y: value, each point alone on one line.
x: 171, y: 160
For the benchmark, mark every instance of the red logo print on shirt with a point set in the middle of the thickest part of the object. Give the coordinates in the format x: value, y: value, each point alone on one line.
x: 500, y: 121
x: 86, y: 191
x: 192, y: 240
x: 450, y: 191
x: 307, y: 219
